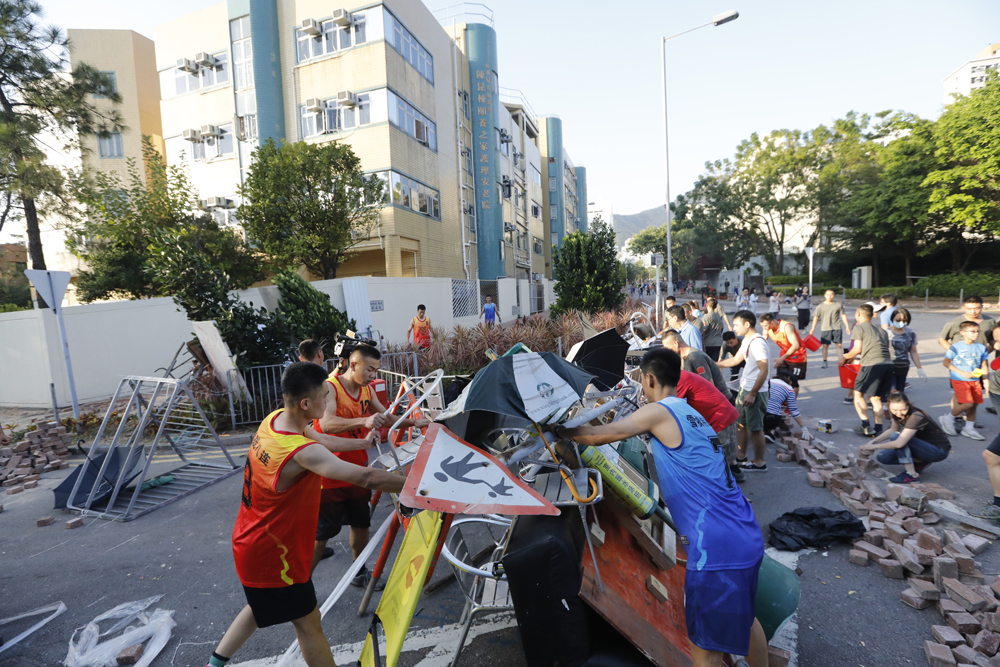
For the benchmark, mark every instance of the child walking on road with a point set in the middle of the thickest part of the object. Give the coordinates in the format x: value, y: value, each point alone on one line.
x: 966, y: 359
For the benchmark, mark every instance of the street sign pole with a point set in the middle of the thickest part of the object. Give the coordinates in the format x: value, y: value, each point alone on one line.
x: 657, y: 260
x: 51, y: 286
x: 810, y: 252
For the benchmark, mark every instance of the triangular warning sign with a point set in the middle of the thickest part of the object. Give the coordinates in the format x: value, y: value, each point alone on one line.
x: 450, y: 475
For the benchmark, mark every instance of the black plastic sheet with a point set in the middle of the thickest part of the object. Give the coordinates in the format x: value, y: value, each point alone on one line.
x: 813, y: 527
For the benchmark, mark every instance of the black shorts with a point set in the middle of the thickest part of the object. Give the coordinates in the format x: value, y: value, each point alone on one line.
x: 284, y: 604
x: 835, y: 337
x: 344, y: 506
x: 874, y: 380
x: 792, y: 372
x: 772, y: 422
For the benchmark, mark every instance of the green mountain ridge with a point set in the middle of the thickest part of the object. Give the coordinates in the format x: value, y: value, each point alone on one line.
x: 627, y: 226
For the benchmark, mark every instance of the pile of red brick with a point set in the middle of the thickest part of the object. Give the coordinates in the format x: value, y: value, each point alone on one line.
x: 43, y: 450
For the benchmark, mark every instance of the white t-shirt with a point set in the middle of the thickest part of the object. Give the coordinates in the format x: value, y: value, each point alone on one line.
x: 754, y: 349
x: 753, y: 302
x: 774, y: 303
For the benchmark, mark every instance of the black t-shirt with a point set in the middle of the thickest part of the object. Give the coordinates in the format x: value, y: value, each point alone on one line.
x: 927, y: 429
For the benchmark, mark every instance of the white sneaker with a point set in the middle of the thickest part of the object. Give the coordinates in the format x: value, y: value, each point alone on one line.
x: 972, y: 433
x: 947, y: 423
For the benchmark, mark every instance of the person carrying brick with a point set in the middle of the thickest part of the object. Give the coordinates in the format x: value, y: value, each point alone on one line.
x: 725, y: 547
x: 871, y: 344
x: 272, y: 536
x: 966, y: 361
x: 991, y: 455
x: 913, y: 441
x: 354, y: 410
x: 751, y: 401
x: 832, y: 320
x: 792, y: 363
x: 972, y: 311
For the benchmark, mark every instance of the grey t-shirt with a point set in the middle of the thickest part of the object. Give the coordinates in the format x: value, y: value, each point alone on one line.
x: 952, y: 333
x: 874, y: 344
x: 829, y: 315
x: 902, y: 342
x: 698, y: 362
x: 712, y: 327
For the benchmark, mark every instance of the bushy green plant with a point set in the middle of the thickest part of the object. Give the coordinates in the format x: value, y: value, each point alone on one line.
x: 308, y: 311
x: 12, y: 307
x: 875, y: 292
x: 588, y: 274
x: 790, y: 280
x: 986, y: 285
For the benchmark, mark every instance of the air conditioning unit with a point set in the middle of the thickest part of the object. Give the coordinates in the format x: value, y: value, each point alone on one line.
x: 217, y: 202
x: 355, y: 235
x: 205, y: 59
x: 537, y: 276
x: 342, y: 17
x: 311, y: 27
x: 187, y: 65
x: 505, y: 137
x: 209, y: 131
x: 508, y: 227
x: 346, y: 98
x: 191, y: 135
x: 314, y: 104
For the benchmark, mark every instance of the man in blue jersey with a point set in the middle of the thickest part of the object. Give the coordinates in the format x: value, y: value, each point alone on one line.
x: 489, y: 312
x: 725, y: 545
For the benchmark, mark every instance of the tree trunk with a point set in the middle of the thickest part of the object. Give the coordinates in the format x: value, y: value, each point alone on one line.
x: 956, y: 254
x: 875, y: 281
x: 34, y: 241
x: 907, y: 260
x: 330, y: 265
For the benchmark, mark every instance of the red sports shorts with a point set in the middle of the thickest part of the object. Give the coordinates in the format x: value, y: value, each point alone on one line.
x: 968, y: 391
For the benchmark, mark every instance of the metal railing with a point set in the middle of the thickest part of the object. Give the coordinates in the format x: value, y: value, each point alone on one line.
x: 464, y: 12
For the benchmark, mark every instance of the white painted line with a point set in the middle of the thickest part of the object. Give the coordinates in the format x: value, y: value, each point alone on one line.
x: 441, y: 640
x: 787, y: 637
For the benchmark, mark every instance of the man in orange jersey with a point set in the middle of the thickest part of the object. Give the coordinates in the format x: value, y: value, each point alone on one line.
x: 791, y: 365
x: 352, y: 410
x: 421, y: 328
x: 281, y: 489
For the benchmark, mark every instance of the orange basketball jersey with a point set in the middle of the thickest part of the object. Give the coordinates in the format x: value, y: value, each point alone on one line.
x: 348, y: 407
x: 274, y: 531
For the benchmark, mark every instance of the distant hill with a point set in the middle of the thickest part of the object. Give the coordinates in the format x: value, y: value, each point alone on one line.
x: 627, y: 226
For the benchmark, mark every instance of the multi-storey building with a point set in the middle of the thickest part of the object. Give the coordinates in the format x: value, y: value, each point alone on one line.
x: 972, y: 74
x: 417, y: 102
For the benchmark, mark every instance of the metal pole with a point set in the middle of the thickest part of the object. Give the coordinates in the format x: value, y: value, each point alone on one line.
x: 961, y: 296
x: 666, y: 156
x: 658, y: 302
x: 69, y: 366
x: 927, y: 296
x: 55, y: 405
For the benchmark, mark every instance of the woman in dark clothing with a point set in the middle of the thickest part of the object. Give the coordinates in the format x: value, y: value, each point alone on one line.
x: 915, y: 440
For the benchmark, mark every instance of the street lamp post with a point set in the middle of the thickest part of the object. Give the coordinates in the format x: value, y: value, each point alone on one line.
x: 724, y: 17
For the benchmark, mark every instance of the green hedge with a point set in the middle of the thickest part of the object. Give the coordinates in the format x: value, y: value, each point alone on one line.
x: 789, y: 280
x: 986, y: 285
x: 876, y: 292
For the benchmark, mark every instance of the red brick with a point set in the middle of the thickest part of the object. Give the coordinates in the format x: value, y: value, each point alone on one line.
x: 891, y: 568
x: 75, y: 523
x: 904, y: 513
x: 987, y: 594
x: 895, y: 532
x: 925, y: 589
x: 912, y: 598
x: 964, y: 655
x: 858, y: 557
x: 946, y: 606
x: 14, y: 489
x: 30, y: 485
x: 975, y: 544
x: 963, y: 595
x: 875, y: 537
x: 928, y: 539
x: 777, y: 657
x: 986, y: 643
x: 906, y: 557
x: 784, y: 457
x: 874, y: 553
x: 947, y: 635
x: 964, y: 622
x: 938, y: 655
x: 814, y: 479
x: 924, y: 556
x: 944, y: 567
x: 46, y: 521
x: 129, y: 655
x: 913, y: 525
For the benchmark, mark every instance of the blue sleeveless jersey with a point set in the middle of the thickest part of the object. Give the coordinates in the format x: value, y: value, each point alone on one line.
x: 706, y: 506
x: 491, y: 309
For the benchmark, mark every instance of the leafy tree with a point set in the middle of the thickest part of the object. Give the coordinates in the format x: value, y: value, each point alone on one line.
x: 308, y: 311
x: 14, y: 291
x: 40, y: 102
x: 309, y: 204
x: 145, y: 238
x: 588, y: 274
x: 635, y: 272
x: 965, y: 188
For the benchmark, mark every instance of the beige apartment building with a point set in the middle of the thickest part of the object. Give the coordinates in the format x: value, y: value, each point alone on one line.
x: 419, y: 104
x: 972, y: 74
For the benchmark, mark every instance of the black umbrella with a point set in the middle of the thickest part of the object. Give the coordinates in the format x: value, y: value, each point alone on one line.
x: 106, y: 485
x: 604, y: 356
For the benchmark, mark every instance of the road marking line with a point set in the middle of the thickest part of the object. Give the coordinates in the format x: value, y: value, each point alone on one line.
x: 442, y: 641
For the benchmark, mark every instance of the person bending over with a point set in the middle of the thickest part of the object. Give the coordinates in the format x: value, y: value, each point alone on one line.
x: 273, y: 533
x: 913, y: 441
x: 725, y: 546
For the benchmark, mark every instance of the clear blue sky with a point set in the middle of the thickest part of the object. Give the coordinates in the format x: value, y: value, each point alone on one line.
x: 782, y: 64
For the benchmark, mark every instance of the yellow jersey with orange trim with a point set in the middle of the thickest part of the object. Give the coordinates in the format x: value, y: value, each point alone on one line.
x: 274, y: 531
x: 348, y: 407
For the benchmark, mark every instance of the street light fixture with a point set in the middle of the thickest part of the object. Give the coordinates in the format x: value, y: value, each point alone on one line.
x: 719, y: 19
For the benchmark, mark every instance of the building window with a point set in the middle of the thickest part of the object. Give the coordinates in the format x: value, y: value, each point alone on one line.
x: 408, y: 47
x: 110, y: 146
x: 536, y: 176
x: 536, y: 210
x: 411, y: 121
x: 414, y: 195
x: 217, y: 73
x: 239, y: 32
x: 470, y: 214
x: 225, y: 140
x: 112, y: 87
x: 465, y: 105
x: 467, y: 153
x: 536, y: 246
x: 312, y: 122
x: 553, y: 212
x: 331, y: 37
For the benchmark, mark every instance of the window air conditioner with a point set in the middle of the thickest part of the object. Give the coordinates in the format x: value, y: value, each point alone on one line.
x: 342, y: 17
x: 537, y: 276
x: 191, y: 135
x: 508, y: 227
x: 311, y: 27
x: 505, y: 137
x: 187, y: 65
x: 346, y: 98
x: 205, y: 59
x: 209, y: 131
x: 355, y: 234
x: 217, y: 202
x: 314, y: 104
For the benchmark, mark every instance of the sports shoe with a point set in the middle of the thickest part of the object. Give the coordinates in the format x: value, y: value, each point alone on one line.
x: 990, y: 409
x: 866, y: 432
x: 362, y: 579
x: 971, y: 433
x: 848, y: 400
x: 824, y: 363
x: 768, y: 438
x: 988, y: 511
x: 753, y: 467
x: 907, y: 386
x: 905, y: 478
x: 947, y: 423
x: 737, y: 473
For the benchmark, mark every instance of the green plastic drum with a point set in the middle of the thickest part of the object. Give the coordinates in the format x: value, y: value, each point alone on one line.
x: 778, y: 591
